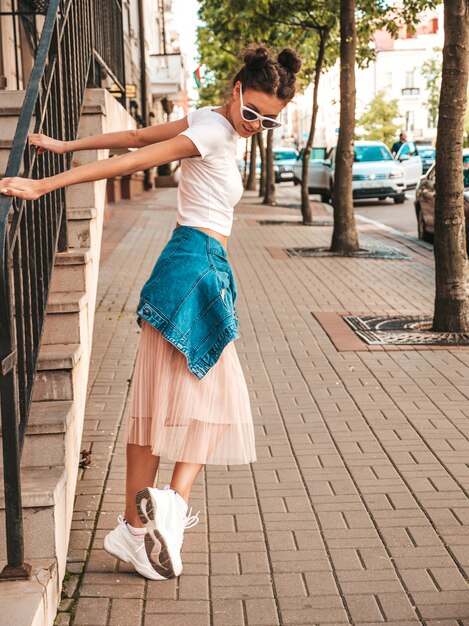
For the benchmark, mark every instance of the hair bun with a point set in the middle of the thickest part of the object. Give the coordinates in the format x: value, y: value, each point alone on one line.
x: 289, y: 60
x: 255, y: 57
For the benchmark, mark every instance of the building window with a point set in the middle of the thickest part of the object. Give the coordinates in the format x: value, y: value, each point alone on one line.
x: 409, y: 120
x: 387, y: 80
x: 409, y: 79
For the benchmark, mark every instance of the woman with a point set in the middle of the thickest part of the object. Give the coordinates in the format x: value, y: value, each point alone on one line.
x: 189, y: 400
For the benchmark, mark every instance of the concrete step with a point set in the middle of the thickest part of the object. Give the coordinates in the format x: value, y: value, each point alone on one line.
x: 10, y: 107
x: 31, y: 602
x: 57, y: 372
x: 71, y: 271
x: 66, y: 315
x: 81, y: 225
x: 46, y: 433
x: 43, y: 495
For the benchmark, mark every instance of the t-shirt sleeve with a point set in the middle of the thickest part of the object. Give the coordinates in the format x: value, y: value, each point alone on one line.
x: 207, y: 138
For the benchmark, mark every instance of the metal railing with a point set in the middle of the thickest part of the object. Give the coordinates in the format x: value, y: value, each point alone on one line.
x: 32, y: 231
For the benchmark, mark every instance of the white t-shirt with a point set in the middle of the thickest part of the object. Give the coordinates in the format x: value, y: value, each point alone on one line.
x: 210, y: 185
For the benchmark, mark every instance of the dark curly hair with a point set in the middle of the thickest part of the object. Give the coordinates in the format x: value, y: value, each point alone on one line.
x: 263, y: 73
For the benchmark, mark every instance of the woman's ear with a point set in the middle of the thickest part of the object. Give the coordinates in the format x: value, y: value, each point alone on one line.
x: 236, y: 90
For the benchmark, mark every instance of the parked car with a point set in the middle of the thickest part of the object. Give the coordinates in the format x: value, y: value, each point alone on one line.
x: 427, y: 154
x: 425, y: 201
x: 319, y: 175
x: 284, y: 160
x: 411, y: 162
x: 375, y: 173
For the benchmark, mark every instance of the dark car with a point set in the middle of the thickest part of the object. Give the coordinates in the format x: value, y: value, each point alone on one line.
x: 284, y: 160
x: 427, y: 154
x: 425, y: 201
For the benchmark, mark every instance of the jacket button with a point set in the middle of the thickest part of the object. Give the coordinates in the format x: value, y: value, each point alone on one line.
x: 146, y: 311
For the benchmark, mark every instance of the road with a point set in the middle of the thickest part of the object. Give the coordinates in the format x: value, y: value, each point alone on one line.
x: 398, y: 216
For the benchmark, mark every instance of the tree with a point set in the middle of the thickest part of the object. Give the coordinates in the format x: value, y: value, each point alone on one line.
x: 269, y: 190
x: 230, y: 25
x: 451, y: 312
x: 466, y: 127
x: 431, y: 71
x: 359, y: 19
x: 345, y: 235
x: 251, y: 184
x: 378, y: 119
x: 314, y: 27
x: 260, y: 141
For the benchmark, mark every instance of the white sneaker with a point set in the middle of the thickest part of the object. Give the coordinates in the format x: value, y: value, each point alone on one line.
x: 123, y: 545
x: 164, y: 513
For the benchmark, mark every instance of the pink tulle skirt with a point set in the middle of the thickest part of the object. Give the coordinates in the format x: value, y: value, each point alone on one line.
x: 186, y: 419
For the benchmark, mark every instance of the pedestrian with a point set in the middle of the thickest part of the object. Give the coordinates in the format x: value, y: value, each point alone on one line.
x: 397, y: 145
x: 189, y: 400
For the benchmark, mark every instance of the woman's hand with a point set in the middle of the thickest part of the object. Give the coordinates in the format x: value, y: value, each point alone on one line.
x: 44, y: 143
x: 26, y: 188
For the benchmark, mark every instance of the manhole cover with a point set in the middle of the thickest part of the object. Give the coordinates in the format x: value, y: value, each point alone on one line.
x: 402, y: 330
x: 371, y: 252
x: 295, y: 223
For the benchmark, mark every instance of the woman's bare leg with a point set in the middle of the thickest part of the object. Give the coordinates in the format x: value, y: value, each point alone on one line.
x: 141, y: 472
x: 184, y: 475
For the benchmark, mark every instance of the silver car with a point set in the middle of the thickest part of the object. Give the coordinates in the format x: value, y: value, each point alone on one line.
x: 376, y: 174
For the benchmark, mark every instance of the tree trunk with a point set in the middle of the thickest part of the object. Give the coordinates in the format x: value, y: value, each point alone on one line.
x: 305, y: 204
x: 451, y: 297
x: 269, y: 196
x: 345, y: 236
x: 251, y: 184
x: 245, y: 174
x: 260, y: 142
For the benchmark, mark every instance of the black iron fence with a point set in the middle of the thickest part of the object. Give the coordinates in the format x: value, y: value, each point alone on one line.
x: 22, y: 26
x: 31, y: 231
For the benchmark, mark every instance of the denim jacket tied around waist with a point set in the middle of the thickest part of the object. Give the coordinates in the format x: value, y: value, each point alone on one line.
x: 190, y: 298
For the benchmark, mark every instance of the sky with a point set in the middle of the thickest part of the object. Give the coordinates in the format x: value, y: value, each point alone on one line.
x: 185, y: 14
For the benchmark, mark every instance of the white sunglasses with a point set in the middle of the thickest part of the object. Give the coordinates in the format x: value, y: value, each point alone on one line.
x: 249, y: 115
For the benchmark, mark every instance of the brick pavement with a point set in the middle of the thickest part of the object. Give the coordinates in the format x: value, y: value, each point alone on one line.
x: 356, y: 511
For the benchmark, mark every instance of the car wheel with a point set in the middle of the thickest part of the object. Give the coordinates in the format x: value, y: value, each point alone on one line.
x: 400, y: 199
x: 325, y: 197
x: 310, y: 190
x: 296, y: 181
x: 331, y: 194
x: 423, y: 233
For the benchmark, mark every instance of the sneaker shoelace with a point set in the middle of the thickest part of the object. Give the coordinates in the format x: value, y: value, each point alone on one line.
x: 191, y: 520
x: 188, y: 521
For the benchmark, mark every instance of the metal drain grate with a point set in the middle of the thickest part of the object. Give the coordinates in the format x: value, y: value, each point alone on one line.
x: 402, y: 330
x: 295, y: 223
x: 371, y: 252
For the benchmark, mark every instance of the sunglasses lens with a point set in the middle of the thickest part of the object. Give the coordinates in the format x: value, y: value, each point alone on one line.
x: 270, y: 124
x: 249, y: 116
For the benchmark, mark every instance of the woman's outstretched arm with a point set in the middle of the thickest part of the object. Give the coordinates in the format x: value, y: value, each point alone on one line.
x: 180, y: 147
x: 137, y: 138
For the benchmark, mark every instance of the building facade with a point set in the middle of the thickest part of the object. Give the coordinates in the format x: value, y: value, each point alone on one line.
x: 397, y: 71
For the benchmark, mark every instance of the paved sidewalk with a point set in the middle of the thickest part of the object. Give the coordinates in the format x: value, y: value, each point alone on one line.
x: 357, y: 510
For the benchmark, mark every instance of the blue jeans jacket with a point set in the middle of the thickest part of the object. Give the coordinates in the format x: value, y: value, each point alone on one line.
x: 190, y: 298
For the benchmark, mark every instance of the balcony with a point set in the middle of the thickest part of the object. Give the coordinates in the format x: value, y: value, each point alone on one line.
x: 166, y: 73
x: 410, y: 91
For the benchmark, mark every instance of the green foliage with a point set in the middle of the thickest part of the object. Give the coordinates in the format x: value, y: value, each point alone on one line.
x: 378, y: 119
x: 231, y: 24
x: 431, y: 71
